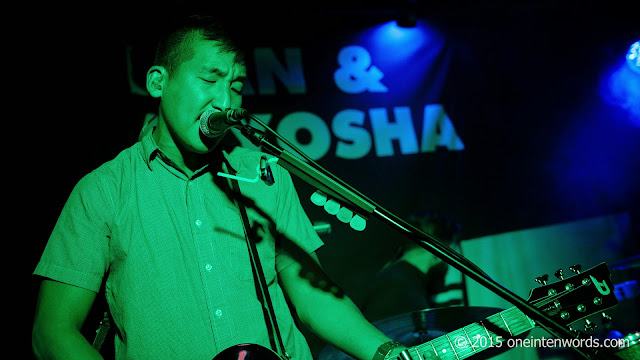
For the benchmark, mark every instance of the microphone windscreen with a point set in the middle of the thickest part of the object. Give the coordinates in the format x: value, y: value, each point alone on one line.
x: 205, y: 124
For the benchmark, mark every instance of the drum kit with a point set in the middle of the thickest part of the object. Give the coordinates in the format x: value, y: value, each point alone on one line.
x: 418, y: 327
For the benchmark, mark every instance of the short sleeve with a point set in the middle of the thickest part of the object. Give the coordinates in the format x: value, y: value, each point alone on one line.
x: 296, y: 233
x: 77, y: 252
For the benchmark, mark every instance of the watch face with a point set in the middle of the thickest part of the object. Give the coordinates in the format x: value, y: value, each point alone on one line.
x: 385, y: 349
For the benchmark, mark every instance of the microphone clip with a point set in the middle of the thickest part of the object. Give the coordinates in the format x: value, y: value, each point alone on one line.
x: 263, y: 171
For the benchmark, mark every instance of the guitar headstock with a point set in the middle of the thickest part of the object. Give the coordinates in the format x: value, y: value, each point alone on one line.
x: 577, y: 297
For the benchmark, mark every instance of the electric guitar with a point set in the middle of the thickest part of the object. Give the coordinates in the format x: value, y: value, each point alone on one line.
x: 566, y: 302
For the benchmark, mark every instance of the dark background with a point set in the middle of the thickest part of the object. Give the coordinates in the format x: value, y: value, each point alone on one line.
x: 542, y: 146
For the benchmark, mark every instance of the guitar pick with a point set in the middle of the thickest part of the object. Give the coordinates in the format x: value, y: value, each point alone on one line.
x: 345, y: 215
x: 332, y: 207
x: 319, y: 198
x: 358, y: 223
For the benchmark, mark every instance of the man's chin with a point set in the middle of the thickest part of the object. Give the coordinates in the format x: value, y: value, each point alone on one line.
x: 208, y: 144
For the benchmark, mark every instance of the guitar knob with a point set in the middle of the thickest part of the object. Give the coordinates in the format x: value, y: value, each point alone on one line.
x: 589, y: 325
x: 606, y: 318
x: 559, y: 274
x: 542, y: 279
x: 577, y: 268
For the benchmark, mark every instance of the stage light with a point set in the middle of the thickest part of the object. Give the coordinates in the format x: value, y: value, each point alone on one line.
x: 633, y: 57
x: 403, y: 55
x: 621, y: 85
x: 407, y: 19
x: 407, y: 16
x: 398, y: 41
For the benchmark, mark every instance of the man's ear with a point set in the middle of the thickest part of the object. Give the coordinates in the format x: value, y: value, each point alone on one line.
x: 155, y: 80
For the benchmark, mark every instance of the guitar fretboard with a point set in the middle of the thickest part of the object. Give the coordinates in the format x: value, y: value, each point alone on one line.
x: 476, y: 337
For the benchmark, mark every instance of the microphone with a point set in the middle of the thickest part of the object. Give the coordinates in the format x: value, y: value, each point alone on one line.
x: 214, y: 123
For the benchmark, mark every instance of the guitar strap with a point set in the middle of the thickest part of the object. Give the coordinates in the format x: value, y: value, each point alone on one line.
x: 261, y: 284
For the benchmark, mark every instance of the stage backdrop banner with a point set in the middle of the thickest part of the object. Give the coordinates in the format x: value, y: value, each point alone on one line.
x: 370, y: 104
x: 375, y: 93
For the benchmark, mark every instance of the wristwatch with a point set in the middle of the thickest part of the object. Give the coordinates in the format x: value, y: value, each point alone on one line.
x: 385, y: 349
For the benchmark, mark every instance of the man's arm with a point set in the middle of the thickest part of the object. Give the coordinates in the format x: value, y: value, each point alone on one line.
x: 60, y: 313
x: 332, y: 316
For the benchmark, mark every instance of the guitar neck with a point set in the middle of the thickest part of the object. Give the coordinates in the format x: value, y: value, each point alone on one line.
x: 476, y: 337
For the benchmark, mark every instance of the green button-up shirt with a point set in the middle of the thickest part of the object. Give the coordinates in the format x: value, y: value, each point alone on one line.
x: 179, y: 283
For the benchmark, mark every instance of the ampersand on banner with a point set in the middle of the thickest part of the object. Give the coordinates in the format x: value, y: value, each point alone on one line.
x: 356, y: 74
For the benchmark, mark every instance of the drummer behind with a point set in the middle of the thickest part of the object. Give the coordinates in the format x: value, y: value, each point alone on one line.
x: 414, y: 279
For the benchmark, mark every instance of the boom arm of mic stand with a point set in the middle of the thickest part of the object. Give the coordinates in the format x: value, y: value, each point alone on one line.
x: 360, y: 204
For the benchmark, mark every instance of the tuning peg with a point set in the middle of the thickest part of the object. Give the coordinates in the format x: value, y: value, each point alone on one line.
x: 589, y: 325
x: 542, y: 279
x: 559, y: 274
x: 606, y: 318
x: 577, y: 268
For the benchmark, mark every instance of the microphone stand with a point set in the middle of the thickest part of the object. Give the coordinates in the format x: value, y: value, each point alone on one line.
x: 318, y: 177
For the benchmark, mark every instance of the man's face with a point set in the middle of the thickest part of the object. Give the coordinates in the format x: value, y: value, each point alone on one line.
x: 210, y: 80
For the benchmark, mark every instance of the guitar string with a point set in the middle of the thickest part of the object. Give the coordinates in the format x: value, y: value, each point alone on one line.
x: 513, y: 314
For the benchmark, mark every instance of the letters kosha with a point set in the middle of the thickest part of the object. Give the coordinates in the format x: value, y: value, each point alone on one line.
x: 354, y: 131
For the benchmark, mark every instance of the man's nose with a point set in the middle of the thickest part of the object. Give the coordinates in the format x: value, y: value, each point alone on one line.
x: 222, y: 100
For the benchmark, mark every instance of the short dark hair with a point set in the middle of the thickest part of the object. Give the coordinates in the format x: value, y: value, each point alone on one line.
x: 174, y: 45
x: 436, y: 224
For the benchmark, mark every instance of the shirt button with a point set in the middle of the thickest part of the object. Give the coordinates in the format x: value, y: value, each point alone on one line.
x: 218, y: 313
x: 198, y: 223
x: 208, y: 267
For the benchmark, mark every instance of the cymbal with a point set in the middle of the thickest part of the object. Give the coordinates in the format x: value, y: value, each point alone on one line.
x: 443, y: 320
x: 417, y: 327
x: 625, y: 264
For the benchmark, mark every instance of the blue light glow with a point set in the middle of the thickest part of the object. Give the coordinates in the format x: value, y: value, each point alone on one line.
x: 633, y: 57
x: 405, y: 55
x: 621, y: 88
x: 401, y: 41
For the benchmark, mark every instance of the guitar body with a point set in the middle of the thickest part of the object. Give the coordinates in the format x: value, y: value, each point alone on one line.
x: 248, y: 352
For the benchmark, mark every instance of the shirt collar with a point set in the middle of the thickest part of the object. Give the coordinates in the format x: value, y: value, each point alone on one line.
x: 150, y: 150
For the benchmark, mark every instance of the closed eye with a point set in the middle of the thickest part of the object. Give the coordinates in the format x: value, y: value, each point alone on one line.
x: 237, y: 87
